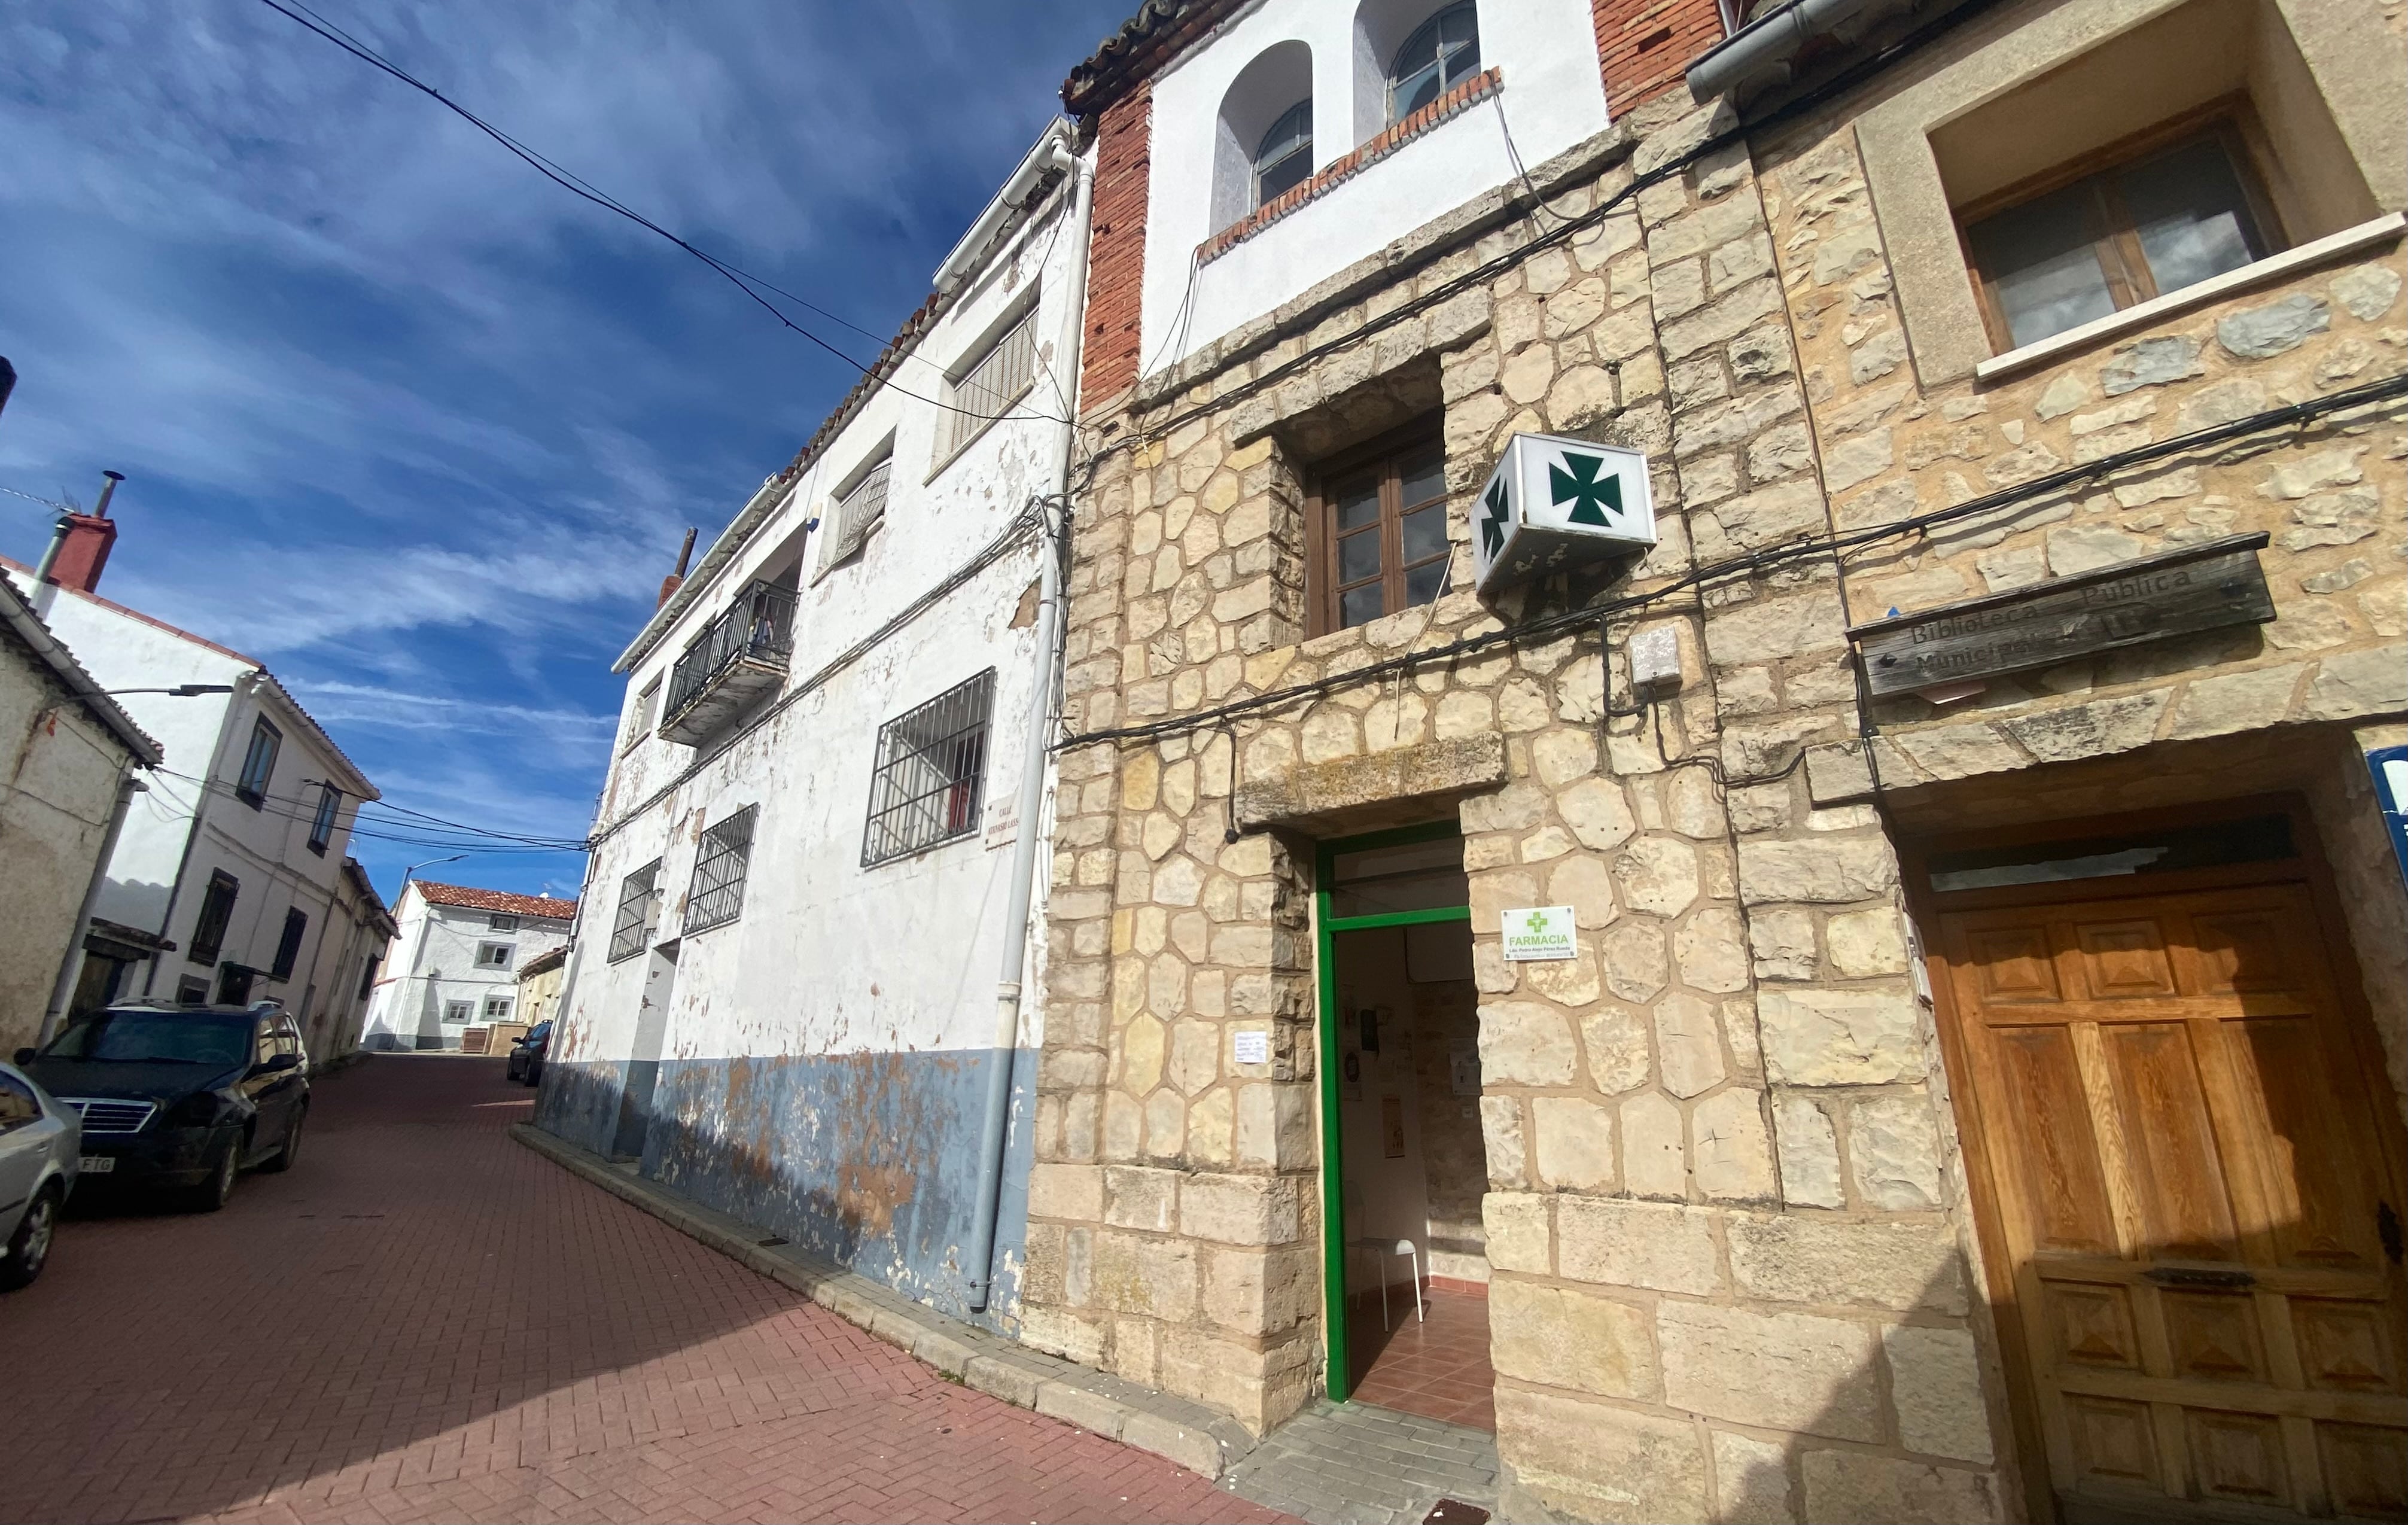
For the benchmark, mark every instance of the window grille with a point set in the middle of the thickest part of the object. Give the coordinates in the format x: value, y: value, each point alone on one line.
x: 856, y: 513
x: 989, y: 388
x: 288, y: 947
x: 718, y: 893
x: 640, y: 898
x: 931, y: 772
x: 217, y: 908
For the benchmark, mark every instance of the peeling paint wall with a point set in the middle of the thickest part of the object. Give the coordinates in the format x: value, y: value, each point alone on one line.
x: 819, y: 1065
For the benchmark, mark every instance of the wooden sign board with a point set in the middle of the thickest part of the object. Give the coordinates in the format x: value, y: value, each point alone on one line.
x: 2174, y: 593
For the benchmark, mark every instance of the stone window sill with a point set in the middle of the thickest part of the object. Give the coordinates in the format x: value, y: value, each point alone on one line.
x: 2274, y: 267
x: 1350, y: 163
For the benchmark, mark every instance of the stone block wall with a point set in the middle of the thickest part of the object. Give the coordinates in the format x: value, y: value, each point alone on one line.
x: 2329, y: 495
x: 1726, y: 1243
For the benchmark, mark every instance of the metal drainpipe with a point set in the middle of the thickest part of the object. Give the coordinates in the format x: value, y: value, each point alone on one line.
x: 71, y: 967
x: 1032, y: 788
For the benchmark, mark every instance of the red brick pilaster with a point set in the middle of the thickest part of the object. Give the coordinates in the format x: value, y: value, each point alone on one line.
x: 1116, y: 247
x: 1644, y: 46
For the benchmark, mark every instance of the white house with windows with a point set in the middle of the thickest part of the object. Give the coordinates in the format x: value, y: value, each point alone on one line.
x: 455, y: 963
x: 228, y: 880
x: 788, y: 1002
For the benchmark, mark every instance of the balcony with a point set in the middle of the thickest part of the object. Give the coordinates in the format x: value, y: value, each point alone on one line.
x: 739, y: 658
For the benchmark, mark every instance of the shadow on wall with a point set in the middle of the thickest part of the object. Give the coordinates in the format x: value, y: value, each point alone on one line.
x: 869, y: 1159
x: 1885, y: 1422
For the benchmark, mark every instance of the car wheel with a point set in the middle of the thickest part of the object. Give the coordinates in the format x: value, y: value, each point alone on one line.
x: 290, y: 1150
x: 213, y: 1193
x: 29, y: 1248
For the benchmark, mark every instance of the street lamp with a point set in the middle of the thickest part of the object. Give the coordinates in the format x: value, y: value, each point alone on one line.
x: 415, y: 867
x: 182, y: 691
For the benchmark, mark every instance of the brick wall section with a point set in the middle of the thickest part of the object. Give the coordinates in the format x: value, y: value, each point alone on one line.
x: 1116, y: 247
x: 1348, y: 164
x: 1644, y: 45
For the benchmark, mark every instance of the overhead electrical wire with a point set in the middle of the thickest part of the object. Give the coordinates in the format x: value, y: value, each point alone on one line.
x: 446, y: 834
x: 567, y: 181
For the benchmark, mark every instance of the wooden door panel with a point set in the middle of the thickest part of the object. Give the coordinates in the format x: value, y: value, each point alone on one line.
x: 2051, y: 1152
x: 2177, y: 1177
x: 2366, y: 1467
x: 2123, y: 959
x: 2238, y: 1457
x: 2187, y: 1175
x: 2214, y: 1336
x: 2346, y: 1346
x: 2323, y: 1197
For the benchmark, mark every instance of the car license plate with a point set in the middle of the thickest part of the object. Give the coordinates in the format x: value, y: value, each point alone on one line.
x: 97, y: 1164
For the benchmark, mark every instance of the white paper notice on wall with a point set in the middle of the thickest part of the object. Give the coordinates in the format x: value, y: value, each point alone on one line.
x: 1537, y: 933
x: 1251, y: 1047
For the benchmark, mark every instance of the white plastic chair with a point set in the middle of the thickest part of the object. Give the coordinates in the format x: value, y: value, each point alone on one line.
x: 1383, y: 1251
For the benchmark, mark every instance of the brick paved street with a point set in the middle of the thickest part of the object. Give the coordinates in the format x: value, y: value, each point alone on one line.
x: 424, y: 1320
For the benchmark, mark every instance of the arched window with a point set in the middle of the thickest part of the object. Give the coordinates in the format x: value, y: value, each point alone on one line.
x: 1283, y: 160
x: 1440, y: 55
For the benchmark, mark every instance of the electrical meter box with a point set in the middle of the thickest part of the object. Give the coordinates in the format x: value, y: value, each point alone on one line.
x: 1558, y: 505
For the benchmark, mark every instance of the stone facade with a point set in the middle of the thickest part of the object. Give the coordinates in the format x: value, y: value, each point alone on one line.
x: 1735, y: 1269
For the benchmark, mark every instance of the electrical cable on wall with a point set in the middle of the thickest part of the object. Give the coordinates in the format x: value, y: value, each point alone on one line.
x: 1753, y: 562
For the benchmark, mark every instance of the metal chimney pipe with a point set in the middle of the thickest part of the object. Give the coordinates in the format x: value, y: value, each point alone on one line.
x: 676, y: 580
x: 50, y: 553
x: 108, y: 490
x: 7, y: 382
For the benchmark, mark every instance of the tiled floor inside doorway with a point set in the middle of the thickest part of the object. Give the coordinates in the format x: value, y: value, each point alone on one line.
x: 1437, y: 1367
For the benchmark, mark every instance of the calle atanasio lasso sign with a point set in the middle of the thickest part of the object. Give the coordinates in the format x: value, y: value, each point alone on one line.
x: 1555, y: 504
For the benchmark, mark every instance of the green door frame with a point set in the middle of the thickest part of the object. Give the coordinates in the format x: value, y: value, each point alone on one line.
x: 1338, y: 1375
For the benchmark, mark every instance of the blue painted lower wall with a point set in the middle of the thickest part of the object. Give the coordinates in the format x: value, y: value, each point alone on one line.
x: 869, y: 1160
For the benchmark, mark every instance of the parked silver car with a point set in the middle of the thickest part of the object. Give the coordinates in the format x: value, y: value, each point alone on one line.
x: 39, y: 1142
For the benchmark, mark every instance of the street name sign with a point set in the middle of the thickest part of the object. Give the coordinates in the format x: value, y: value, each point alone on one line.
x: 1555, y: 504
x: 2174, y: 593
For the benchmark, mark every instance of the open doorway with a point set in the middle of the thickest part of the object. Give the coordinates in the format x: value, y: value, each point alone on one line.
x: 1404, y: 1167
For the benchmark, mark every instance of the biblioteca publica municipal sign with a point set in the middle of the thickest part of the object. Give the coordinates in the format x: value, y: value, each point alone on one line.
x: 2174, y: 593
x: 1554, y: 504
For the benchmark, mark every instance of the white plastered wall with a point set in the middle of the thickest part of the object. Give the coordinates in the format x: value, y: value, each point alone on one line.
x: 1553, y: 98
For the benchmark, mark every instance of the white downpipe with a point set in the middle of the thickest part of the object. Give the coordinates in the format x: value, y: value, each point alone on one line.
x: 1034, y: 752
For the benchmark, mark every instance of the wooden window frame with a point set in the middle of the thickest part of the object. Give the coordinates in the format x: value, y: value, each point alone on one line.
x: 2130, y: 281
x: 1323, y: 589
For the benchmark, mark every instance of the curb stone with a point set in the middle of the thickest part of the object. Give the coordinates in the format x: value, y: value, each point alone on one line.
x: 1197, y: 1438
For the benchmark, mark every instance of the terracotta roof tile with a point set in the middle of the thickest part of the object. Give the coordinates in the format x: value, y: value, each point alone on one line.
x: 495, y: 899
x: 1145, y: 42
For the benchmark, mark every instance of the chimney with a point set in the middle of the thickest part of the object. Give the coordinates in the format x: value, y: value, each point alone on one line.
x: 79, y: 550
x: 670, y: 584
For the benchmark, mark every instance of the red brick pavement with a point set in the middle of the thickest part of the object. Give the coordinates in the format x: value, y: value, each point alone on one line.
x: 424, y: 1322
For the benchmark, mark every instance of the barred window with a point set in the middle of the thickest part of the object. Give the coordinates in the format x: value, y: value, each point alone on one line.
x: 931, y: 772
x: 986, y: 390
x: 859, y: 510
x: 718, y: 893
x: 640, y: 903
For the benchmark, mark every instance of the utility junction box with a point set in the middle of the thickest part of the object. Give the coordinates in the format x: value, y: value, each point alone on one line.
x: 1559, y: 505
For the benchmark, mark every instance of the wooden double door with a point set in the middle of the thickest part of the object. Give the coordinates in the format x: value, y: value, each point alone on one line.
x: 2175, y: 1127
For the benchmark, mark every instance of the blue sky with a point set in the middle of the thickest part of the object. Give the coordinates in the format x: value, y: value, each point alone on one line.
x: 408, y: 423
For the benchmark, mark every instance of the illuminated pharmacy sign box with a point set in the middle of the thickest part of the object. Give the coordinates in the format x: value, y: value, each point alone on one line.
x: 1555, y: 505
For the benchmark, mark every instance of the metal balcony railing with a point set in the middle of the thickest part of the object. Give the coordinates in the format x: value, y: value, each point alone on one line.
x: 758, y: 629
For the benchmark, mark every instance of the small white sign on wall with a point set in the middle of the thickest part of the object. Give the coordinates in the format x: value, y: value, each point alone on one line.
x: 1538, y: 933
x: 1251, y: 1047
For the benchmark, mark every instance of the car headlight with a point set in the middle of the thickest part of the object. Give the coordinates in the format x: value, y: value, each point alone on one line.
x: 200, y: 1110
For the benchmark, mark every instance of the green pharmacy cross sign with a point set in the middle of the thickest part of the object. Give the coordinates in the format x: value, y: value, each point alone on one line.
x: 1555, y: 504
